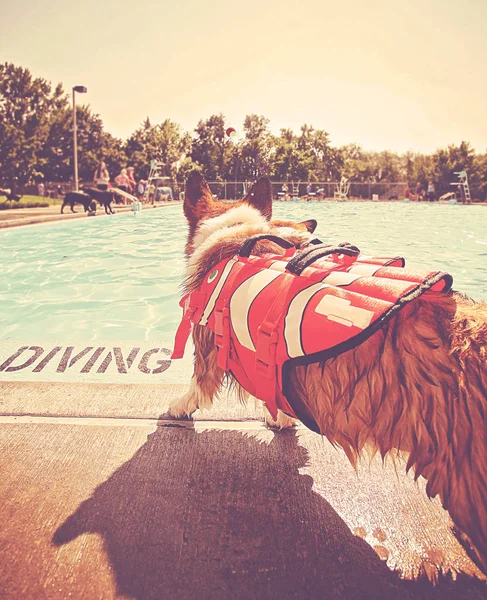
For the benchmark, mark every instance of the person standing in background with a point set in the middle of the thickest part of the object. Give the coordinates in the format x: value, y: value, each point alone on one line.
x: 152, y: 194
x: 131, y: 178
x: 141, y: 188
x: 419, y: 191
x: 122, y: 181
x: 101, y: 176
x: 431, y: 191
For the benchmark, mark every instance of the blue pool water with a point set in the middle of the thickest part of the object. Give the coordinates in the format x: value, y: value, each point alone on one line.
x: 117, y: 279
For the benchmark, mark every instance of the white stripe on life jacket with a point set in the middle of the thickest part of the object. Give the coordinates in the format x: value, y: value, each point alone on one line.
x: 216, y: 292
x: 365, y: 269
x: 278, y: 265
x: 341, y: 278
x: 241, y: 302
x: 292, y: 322
x: 341, y: 311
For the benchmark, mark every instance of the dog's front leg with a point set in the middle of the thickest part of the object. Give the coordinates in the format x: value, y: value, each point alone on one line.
x: 207, y: 376
x: 282, y: 421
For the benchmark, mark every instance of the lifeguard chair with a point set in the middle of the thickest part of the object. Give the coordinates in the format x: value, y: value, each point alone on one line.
x: 296, y: 189
x: 154, y: 173
x: 463, y: 184
x: 342, y: 189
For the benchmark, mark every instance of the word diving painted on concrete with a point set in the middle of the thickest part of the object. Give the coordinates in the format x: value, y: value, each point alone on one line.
x: 122, y: 363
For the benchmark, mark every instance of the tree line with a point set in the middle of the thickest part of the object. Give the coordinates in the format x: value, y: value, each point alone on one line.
x: 36, y: 144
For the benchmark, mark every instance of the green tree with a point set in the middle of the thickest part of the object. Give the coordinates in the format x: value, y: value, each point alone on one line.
x: 165, y: 143
x: 95, y: 144
x: 305, y: 157
x: 284, y: 157
x: 479, y: 184
x: 55, y: 158
x: 36, y: 136
x: 25, y: 106
x: 213, y: 150
x: 36, y: 142
x: 255, y: 150
x: 319, y: 161
x: 446, y: 161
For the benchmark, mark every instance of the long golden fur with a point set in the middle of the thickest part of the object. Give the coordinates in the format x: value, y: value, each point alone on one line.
x: 418, y: 385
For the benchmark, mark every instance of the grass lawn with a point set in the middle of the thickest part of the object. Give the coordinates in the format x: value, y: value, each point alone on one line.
x: 30, y: 202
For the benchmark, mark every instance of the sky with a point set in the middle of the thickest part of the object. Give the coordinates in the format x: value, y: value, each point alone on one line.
x: 389, y: 75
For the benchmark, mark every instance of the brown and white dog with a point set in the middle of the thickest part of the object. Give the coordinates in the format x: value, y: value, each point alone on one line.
x: 418, y: 385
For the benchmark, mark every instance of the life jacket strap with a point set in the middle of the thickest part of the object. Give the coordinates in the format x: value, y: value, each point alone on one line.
x: 182, y: 335
x: 222, y: 334
x: 266, y: 363
x: 222, y: 317
x: 313, y: 253
x: 247, y: 246
x: 190, y: 304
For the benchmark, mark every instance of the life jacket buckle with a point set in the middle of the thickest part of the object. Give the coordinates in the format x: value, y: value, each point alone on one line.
x: 266, y: 366
x: 266, y: 351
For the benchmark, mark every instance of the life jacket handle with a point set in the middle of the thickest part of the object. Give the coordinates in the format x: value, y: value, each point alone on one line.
x: 247, y: 246
x: 310, y: 255
x: 314, y: 241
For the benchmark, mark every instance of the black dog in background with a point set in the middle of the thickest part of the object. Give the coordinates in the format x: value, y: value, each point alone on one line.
x: 73, y: 198
x: 85, y: 198
x: 104, y: 198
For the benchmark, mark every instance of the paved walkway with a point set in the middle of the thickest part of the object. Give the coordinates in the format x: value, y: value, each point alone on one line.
x: 18, y: 217
x: 102, y: 496
x: 31, y: 216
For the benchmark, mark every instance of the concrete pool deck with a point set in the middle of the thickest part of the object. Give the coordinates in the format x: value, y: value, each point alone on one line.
x: 103, y: 496
x: 32, y: 216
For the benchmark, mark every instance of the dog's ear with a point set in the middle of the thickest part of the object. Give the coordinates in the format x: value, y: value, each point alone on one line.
x: 310, y: 225
x: 260, y: 196
x: 197, y: 197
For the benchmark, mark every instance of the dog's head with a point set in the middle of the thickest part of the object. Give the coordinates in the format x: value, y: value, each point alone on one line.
x: 207, y: 216
x: 217, y: 229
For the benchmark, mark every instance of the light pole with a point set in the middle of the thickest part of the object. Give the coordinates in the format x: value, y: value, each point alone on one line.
x: 81, y: 90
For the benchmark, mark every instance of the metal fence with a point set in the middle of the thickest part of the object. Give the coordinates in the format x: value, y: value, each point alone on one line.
x: 281, y: 190
x: 286, y: 190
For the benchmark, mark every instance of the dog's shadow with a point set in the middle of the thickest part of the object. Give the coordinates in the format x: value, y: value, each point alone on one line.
x: 220, y: 514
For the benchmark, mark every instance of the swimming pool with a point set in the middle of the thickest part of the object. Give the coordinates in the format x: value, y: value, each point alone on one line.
x: 118, y: 278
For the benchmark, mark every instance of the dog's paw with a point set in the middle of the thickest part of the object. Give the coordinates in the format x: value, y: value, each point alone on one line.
x: 282, y: 421
x: 183, y: 407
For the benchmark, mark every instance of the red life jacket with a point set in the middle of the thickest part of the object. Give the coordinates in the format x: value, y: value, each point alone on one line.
x: 275, y: 311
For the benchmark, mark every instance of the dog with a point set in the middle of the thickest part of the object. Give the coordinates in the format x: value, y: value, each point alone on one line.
x: 104, y: 198
x: 417, y: 385
x: 72, y: 198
